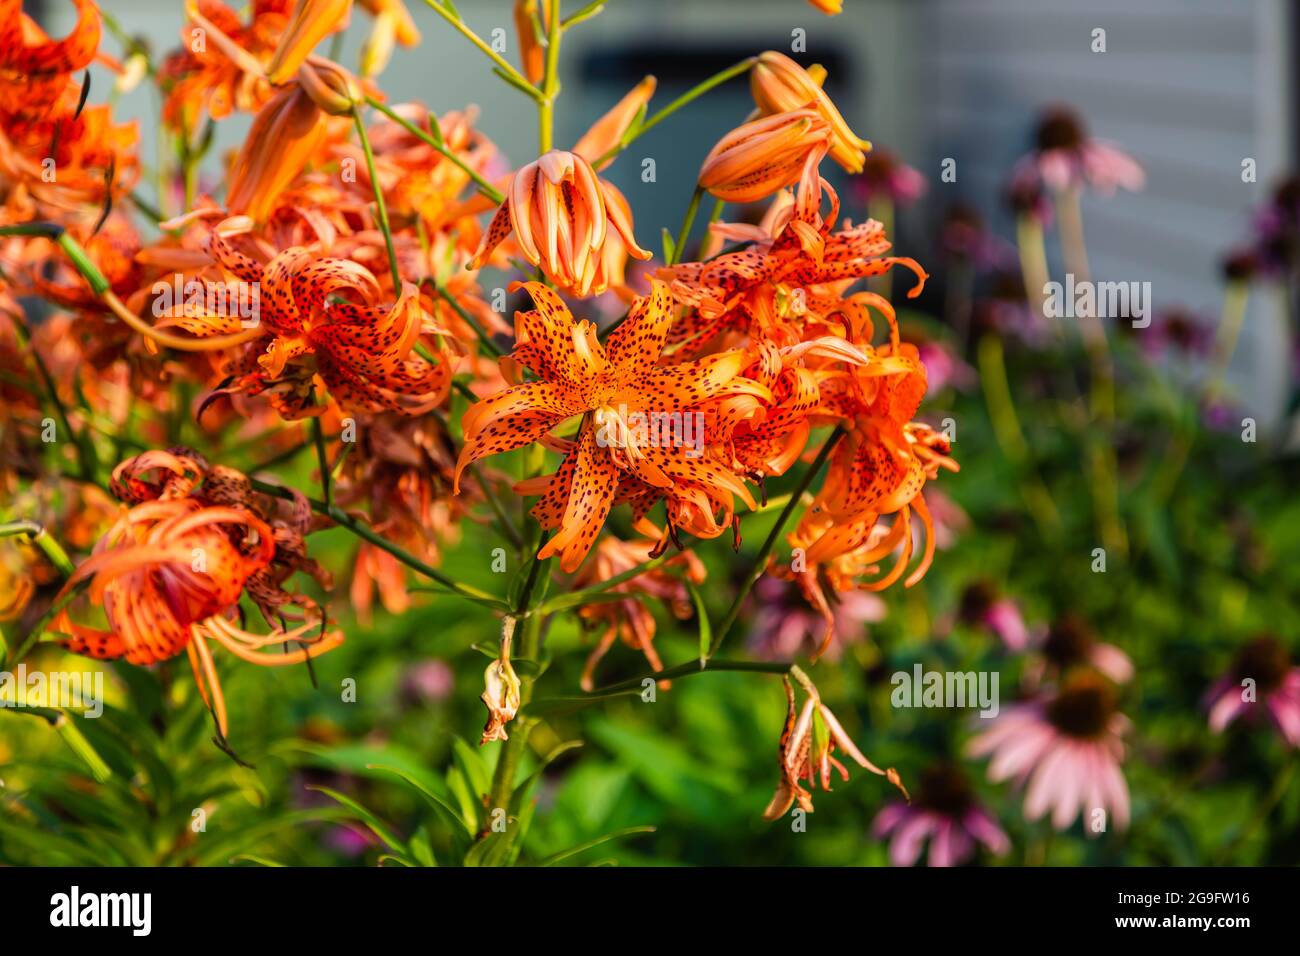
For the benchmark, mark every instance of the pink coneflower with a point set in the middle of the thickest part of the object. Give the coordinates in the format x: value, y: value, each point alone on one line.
x: 1070, y: 643
x: 428, y: 681
x: 1065, y: 749
x: 949, y: 519
x: 1065, y: 157
x: 1178, y: 331
x: 1275, y: 691
x: 964, y: 235
x: 944, y: 367
x: 945, y: 813
x: 885, y: 176
x: 786, y: 626
x: 983, y: 606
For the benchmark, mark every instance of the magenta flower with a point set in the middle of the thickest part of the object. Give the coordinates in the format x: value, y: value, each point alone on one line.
x: 885, y: 176
x: 1065, y: 157
x: 944, y: 367
x: 1178, y: 331
x: 1065, y: 750
x: 1070, y: 643
x: 786, y: 626
x: 982, y: 606
x: 1275, y: 690
x: 945, y: 813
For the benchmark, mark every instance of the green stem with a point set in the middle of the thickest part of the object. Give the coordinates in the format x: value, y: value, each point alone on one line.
x: 687, y: 222
x: 550, y: 79
x: 579, y: 598
x: 765, y: 552
x: 485, y: 187
x: 381, y: 207
x: 366, y: 533
x: 322, y: 460
x: 585, y: 12
x: 37, y: 535
x: 695, y: 667
x: 689, y: 96
x: 1010, y: 437
x: 512, y: 75
x: 466, y: 317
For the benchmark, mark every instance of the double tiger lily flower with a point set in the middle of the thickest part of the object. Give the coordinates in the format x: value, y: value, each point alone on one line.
x: 616, y: 386
x: 170, y: 572
x: 321, y: 319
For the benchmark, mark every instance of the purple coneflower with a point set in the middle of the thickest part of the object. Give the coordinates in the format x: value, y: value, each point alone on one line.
x: 1275, y: 690
x: 944, y: 812
x: 1065, y: 749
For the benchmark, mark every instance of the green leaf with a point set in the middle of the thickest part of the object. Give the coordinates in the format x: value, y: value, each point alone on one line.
x: 440, y: 805
x: 702, y: 614
x: 670, y: 245
x: 377, y: 826
x: 582, y: 847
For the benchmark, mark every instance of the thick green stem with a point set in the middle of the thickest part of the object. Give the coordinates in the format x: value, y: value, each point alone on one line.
x: 42, y: 539
x: 550, y: 80
x: 688, y: 221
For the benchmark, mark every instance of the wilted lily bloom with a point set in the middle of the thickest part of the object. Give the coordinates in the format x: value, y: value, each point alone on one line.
x: 780, y: 85
x: 945, y: 813
x: 560, y: 213
x: 629, y: 619
x: 806, y: 752
x: 170, y: 572
x: 1066, y: 750
x: 755, y: 160
x: 501, y: 689
x: 1066, y: 157
x: 1261, y: 681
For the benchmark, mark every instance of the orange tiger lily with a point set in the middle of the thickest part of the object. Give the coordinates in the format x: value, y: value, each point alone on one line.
x: 320, y: 319
x: 285, y: 134
x: 760, y: 157
x: 41, y: 113
x: 606, y: 383
x: 561, y: 214
x: 170, y: 572
x: 779, y: 85
x: 574, y: 225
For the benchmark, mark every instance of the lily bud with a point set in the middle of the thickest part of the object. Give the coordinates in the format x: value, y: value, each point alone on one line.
x: 779, y: 85
x: 285, y: 134
x: 311, y: 22
x: 531, y: 53
x: 756, y: 159
x: 330, y: 87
